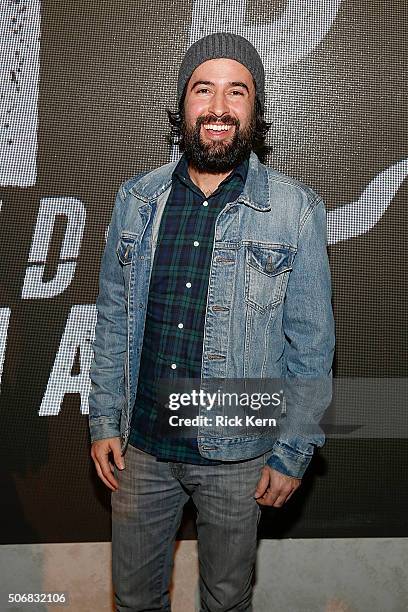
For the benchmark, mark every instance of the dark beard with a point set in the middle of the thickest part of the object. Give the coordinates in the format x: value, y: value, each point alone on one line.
x: 216, y: 157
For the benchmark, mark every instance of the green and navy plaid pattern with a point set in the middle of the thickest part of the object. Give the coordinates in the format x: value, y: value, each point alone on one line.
x: 176, y: 306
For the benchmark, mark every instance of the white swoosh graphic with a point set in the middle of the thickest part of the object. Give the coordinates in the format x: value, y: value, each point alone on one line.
x: 359, y: 217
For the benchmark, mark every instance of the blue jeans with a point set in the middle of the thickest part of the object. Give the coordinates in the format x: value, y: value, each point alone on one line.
x: 146, y: 514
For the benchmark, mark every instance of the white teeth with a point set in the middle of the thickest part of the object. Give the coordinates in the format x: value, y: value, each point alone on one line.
x: 217, y: 128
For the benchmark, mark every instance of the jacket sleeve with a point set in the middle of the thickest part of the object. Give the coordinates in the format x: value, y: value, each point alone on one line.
x: 107, y: 395
x: 308, y: 326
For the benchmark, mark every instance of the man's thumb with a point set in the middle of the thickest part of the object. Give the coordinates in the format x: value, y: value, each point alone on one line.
x: 262, y: 484
x: 118, y: 459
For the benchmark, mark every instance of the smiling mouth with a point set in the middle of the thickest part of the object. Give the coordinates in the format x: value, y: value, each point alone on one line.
x: 217, y: 127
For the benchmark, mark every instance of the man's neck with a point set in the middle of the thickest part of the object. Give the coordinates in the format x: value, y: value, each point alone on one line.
x: 206, y: 181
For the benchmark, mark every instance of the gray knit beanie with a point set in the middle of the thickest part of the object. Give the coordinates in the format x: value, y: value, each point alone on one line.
x: 223, y: 45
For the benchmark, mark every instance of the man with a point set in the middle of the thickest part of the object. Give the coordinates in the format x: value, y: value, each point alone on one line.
x: 215, y: 267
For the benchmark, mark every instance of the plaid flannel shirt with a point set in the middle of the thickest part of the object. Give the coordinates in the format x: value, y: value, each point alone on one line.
x: 174, y: 329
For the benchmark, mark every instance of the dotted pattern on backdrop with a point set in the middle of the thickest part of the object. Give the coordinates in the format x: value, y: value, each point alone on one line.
x: 19, y: 72
x: 88, y: 112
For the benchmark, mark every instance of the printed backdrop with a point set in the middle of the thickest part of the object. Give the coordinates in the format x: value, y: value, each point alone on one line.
x: 83, y: 92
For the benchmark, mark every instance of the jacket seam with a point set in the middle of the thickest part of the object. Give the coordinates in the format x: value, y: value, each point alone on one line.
x: 310, y: 210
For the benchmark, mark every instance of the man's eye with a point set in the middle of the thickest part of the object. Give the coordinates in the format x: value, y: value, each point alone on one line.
x: 237, y: 92
x: 202, y: 90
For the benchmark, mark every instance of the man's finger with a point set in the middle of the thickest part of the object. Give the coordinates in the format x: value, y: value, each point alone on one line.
x: 277, y: 496
x: 105, y: 469
x: 117, y: 456
x: 290, y: 494
x: 262, y: 485
x: 268, y: 498
x: 102, y: 477
x: 280, y: 500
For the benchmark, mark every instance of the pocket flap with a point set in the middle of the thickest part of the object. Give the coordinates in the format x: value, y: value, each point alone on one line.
x: 270, y: 260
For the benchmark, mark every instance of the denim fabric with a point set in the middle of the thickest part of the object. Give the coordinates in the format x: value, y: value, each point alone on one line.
x: 146, y: 513
x: 269, y: 274
x: 170, y: 302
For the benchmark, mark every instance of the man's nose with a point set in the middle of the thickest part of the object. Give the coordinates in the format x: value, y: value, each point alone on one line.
x: 219, y: 104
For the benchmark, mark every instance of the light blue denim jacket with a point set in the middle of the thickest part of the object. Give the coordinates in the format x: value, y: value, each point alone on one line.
x: 268, y: 312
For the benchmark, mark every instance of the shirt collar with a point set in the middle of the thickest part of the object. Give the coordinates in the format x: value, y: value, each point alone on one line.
x: 256, y: 193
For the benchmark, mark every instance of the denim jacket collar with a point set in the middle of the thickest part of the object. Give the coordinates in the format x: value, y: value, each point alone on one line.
x: 255, y: 193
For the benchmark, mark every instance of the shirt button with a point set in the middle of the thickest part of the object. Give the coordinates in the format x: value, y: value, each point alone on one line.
x: 173, y: 366
x: 188, y: 285
x: 180, y: 325
x: 196, y: 243
x: 205, y: 203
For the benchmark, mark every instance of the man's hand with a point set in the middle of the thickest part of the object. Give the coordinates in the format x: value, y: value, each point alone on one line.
x: 275, y: 488
x: 100, y: 452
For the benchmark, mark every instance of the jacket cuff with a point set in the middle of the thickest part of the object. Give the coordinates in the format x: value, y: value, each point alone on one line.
x: 288, y: 461
x: 103, y: 427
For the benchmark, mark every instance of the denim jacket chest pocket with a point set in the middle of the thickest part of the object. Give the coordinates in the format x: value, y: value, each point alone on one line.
x: 126, y: 251
x: 267, y: 269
